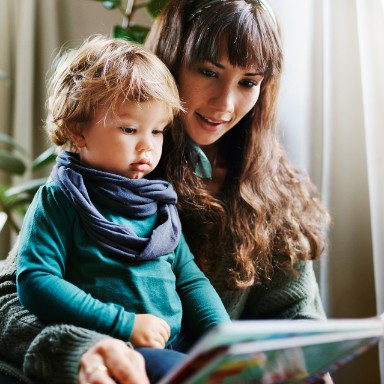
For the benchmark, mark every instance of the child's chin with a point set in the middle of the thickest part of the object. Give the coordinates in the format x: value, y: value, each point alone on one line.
x: 138, y: 175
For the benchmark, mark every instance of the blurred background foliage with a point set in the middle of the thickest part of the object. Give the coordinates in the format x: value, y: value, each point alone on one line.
x: 15, y: 160
x: 129, y: 29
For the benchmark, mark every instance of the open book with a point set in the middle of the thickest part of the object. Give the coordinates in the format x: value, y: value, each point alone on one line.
x: 278, y: 351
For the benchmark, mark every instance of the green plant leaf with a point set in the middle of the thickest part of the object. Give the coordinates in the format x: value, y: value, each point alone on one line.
x: 30, y: 187
x: 17, y: 203
x: 11, y: 163
x: 46, y: 158
x: 5, y: 200
x: 135, y: 33
x: 20, y: 204
x: 154, y: 7
x: 111, y: 4
x: 11, y: 142
x: 6, y: 211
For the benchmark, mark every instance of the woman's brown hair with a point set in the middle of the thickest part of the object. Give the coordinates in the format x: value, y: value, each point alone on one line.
x: 269, y: 215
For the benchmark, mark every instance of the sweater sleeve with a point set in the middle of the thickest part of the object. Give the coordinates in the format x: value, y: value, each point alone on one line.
x: 286, y: 296
x: 45, y: 242
x: 47, y: 354
x: 202, y: 306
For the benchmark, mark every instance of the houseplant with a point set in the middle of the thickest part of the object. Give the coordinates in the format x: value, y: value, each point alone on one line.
x: 129, y: 29
x: 16, y: 161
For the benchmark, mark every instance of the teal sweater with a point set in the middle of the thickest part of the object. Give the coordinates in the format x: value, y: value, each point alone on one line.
x: 64, y: 277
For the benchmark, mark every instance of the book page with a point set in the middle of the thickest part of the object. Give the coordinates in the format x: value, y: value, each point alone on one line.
x: 289, y: 351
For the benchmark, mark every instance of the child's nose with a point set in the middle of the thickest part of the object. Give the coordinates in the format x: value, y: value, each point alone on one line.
x: 144, y: 145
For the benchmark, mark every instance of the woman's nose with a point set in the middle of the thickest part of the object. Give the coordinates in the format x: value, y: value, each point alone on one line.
x: 223, y: 99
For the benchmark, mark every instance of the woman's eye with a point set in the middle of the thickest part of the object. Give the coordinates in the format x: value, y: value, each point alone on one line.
x: 127, y: 130
x: 207, y: 72
x: 249, y: 83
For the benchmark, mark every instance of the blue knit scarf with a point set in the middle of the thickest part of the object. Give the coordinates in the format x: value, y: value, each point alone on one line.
x: 136, y: 198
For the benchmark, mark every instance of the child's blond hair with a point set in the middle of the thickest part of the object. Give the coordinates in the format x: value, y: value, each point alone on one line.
x: 103, y: 71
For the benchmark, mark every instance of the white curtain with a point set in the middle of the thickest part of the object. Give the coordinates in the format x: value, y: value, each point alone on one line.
x: 332, y: 122
x: 371, y: 35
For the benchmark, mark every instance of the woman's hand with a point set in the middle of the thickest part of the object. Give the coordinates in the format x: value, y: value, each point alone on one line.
x: 111, y: 359
x: 150, y: 331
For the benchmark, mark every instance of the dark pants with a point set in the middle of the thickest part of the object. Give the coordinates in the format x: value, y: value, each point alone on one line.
x: 5, y: 379
x: 159, y: 362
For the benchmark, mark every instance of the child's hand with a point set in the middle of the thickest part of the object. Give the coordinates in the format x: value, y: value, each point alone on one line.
x: 150, y: 331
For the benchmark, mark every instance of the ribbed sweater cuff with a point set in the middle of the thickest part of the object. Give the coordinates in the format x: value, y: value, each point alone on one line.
x: 55, y: 354
x: 13, y: 372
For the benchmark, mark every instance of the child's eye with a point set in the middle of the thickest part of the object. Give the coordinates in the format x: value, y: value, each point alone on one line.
x: 128, y: 130
x: 207, y: 72
x: 158, y: 131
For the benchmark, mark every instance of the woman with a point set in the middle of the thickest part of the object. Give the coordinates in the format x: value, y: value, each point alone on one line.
x: 253, y: 221
x: 250, y: 217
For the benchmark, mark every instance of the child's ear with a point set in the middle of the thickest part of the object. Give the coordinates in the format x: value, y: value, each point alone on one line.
x: 78, y: 139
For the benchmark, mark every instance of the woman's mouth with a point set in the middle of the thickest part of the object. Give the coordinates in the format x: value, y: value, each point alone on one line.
x: 209, y: 123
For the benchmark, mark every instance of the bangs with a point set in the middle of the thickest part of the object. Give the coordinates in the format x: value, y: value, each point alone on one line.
x: 138, y: 77
x: 248, y: 34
